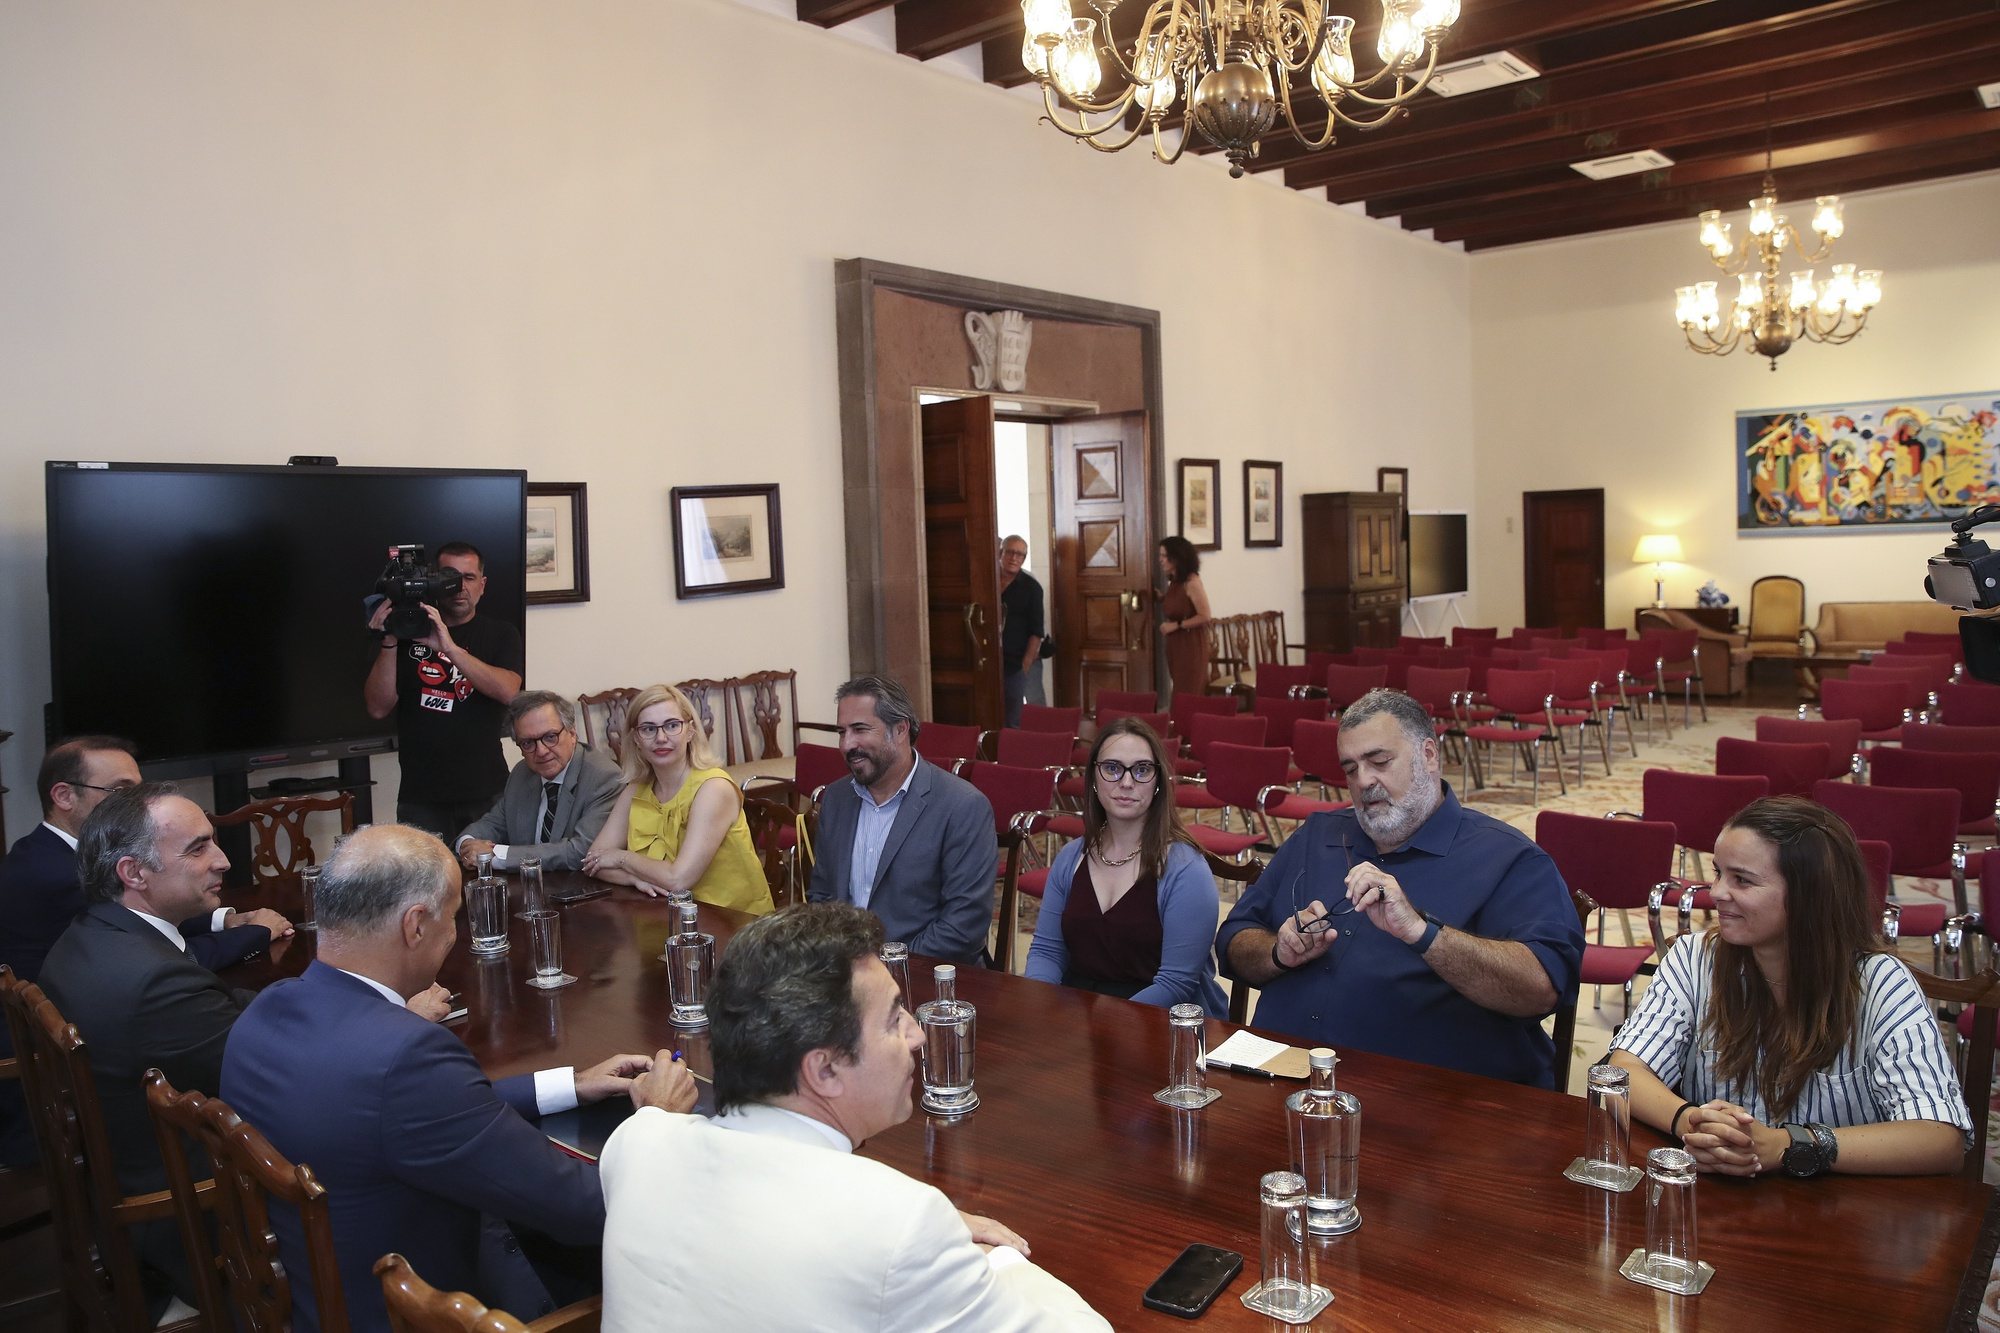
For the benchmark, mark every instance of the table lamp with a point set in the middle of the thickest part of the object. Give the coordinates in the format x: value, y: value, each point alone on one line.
x: 1658, y: 549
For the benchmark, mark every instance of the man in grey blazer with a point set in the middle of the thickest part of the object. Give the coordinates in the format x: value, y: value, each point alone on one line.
x: 555, y: 800
x: 908, y: 841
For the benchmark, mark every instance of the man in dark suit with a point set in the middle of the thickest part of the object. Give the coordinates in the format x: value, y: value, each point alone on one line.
x: 418, y: 1152
x: 555, y: 800
x: 39, y: 891
x: 908, y: 841
x: 122, y: 974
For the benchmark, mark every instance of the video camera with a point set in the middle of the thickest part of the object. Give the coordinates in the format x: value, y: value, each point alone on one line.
x: 1967, y: 576
x: 408, y: 583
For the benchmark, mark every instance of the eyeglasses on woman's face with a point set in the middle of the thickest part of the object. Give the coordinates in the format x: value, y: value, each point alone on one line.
x: 1112, y: 770
x: 671, y: 727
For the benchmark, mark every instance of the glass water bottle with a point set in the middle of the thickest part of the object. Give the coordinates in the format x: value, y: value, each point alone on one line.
x: 948, y: 1023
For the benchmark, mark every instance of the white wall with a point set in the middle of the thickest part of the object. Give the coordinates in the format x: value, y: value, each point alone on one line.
x: 1581, y: 378
x: 589, y: 241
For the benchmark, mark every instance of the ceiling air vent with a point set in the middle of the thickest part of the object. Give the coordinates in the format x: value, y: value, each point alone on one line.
x: 1481, y: 72
x: 1623, y: 164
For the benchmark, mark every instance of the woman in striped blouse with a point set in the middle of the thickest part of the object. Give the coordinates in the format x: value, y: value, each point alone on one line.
x: 1789, y: 1037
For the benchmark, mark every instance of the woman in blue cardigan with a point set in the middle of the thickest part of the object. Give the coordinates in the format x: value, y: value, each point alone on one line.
x: 1130, y: 908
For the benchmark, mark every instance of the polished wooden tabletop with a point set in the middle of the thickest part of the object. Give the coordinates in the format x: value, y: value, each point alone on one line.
x: 1467, y: 1219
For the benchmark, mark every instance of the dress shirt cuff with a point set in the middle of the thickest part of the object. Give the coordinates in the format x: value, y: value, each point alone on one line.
x: 220, y: 921
x: 555, y: 1090
x: 463, y: 838
x: 500, y: 854
x: 1002, y: 1257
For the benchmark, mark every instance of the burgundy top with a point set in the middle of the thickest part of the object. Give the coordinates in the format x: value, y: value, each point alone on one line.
x: 1115, y: 952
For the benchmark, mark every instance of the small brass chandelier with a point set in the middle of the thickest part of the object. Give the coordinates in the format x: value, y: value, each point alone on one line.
x: 1234, y: 59
x: 1770, y: 319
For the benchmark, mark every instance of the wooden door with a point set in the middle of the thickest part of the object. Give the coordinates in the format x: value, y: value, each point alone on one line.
x: 961, y: 570
x: 1100, y: 504
x: 1564, y: 536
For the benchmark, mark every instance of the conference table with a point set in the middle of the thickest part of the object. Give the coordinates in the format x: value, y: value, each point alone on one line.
x: 1467, y: 1219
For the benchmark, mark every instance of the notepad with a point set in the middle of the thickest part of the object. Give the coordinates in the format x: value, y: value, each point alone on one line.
x: 1251, y: 1054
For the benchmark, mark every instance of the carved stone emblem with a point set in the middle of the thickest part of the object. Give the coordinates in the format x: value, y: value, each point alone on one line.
x: 999, y: 349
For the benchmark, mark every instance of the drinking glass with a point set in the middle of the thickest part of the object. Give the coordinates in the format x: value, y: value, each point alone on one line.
x: 534, y: 891
x: 1668, y: 1260
x: 1287, y: 1292
x: 1187, y: 1060
x: 545, y: 949
x: 1607, y: 1142
x: 949, y: 1026
x: 896, y: 957
x: 678, y: 901
x: 486, y: 911
x: 1323, y: 1127
x: 690, y: 968
x: 308, y: 898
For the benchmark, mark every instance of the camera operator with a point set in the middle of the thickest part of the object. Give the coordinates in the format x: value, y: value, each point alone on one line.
x: 448, y: 691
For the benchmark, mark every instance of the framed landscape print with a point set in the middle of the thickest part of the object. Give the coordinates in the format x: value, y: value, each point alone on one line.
x: 1201, y: 494
x: 1263, y: 503
x: 727, y: 539
x: 558, y: 568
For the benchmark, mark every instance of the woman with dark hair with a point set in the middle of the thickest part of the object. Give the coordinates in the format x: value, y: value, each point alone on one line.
x: 1789, y: 1037
x: 1130, y: 908
x: 1184, y: 616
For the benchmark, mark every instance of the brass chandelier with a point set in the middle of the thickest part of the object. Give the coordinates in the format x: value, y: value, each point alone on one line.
x: 1766, y: 316
x: 1233, y: 60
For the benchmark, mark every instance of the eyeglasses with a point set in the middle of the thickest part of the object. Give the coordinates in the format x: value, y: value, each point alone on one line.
x: 546, y: 741
x: 672, y: 727
x: 1113, y: 771
x: 116, y: 786
x: 1340, y: 906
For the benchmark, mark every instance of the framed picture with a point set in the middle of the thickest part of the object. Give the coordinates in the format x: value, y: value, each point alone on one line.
x: 727, y: 539
x: 1263, y: 503
x: 1201, y: 494
x: 1393, y: 480
x: 558, y: 543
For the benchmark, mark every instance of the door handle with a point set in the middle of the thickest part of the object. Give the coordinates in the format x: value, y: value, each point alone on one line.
x: 975, y: 615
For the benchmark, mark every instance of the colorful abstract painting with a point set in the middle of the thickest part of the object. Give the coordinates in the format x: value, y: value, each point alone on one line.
x: 1886, y: 463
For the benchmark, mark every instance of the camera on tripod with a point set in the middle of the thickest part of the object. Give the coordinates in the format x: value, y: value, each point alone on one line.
x: 1967, y: 576
x: 408, y: 583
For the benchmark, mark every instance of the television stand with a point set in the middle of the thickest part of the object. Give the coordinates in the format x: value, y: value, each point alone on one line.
x: 1412, y: 613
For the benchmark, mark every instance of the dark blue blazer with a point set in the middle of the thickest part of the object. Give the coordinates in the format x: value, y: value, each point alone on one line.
x: 415, y: 1147
x: 40, y: 895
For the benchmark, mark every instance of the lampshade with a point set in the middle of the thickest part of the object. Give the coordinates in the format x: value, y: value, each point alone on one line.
x: 1658, y: 548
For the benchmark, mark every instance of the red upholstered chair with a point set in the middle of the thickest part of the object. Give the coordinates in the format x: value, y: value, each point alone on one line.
x: 1604, y: 638
x: 1284, y: 714
x: 1880, y: 706
x: 1697, y: 805
x: 1936, y: 669
x: 1791, y: 769
x: 1020, y: 798
x: 1410, y: 643
x: 1949, y: 642
x: 1187, y: 707
x: 1920, y: 824
x: 1517, y: 659
x: 1679, y: 664
x: 1119, y: 702
x: 1522, y: 696
x: 1916, y: 684
x: 1033, y: 749
x: 1611, y: 700
x: 1345, y: 684
x: 1975, y: 776
x: 1945, y: 736
x: 1618, y: 862
x: 1399, y: 665
x: 1581, y: 696
x: 1316, y: 758
x: 1840, y: 736
x: 1639, y: 686
x: 1969, y: 703
x: 946, y: 744
x: 1554, y: 647
x: 814, y: 766
x: 1467, y: 634
x: 1279, y: 680
x: 1042, y: 717
x: 1208, y: 730
x: 1527, y: 633
x: 1247, y: 778
x: 1441, y: 690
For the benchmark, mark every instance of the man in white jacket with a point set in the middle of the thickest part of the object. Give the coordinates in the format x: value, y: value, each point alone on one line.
x: 763, y: 1217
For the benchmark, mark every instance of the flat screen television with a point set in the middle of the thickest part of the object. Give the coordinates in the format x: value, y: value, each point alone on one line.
x: 1437, y: 562
x: 212, y: 614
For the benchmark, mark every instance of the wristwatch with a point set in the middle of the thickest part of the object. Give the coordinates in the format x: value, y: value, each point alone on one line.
x: 1813, y: 1150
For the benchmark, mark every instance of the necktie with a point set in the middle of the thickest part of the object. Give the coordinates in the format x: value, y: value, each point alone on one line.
x: 549, y: 790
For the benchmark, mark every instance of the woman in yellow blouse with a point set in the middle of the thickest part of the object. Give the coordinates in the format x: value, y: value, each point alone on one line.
x: 679, y: 817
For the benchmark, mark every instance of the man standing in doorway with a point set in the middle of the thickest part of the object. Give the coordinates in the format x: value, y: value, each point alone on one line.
x: 1021, y: 625
x: 449, y: 691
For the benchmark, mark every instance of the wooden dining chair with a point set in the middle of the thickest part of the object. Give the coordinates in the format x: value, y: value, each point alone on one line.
x: 1244, y: 872
x: 774, y: 834
x: 237, y: 1273
x: 766, y: 707
x: 603, y: 717
x: 279, y: 847
x: 1973, y: 1030
x: 93, y: 1219
x: 1564, y: 1032
x: 415, y: 1306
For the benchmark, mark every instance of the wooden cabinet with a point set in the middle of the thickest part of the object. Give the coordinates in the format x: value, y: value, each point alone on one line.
x: 1353, y: 545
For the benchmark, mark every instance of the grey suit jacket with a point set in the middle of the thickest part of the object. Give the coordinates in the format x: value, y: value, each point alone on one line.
x: 589, y: 789
x: 934, y: 883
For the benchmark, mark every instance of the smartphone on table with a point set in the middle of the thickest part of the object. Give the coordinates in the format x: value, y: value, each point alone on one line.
x: 1191, y: 1282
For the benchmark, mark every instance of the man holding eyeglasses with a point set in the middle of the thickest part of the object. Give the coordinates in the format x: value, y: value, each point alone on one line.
x: 555, y: 800
x: 447, y: 691
x: 1409, y: 925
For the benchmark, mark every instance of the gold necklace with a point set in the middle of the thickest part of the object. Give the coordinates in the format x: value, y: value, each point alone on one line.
x: 1097, y: 850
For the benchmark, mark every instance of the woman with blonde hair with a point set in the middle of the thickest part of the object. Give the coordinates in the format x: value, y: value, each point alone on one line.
x: 679, y: 816
x: 1130, y: 907
x: 1789, y: 1037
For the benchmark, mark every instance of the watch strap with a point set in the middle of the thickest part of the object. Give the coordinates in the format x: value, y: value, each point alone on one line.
x: 1429, y: 937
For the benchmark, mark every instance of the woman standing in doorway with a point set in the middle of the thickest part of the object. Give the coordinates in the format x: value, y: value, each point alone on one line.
x: 1184, y: 616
